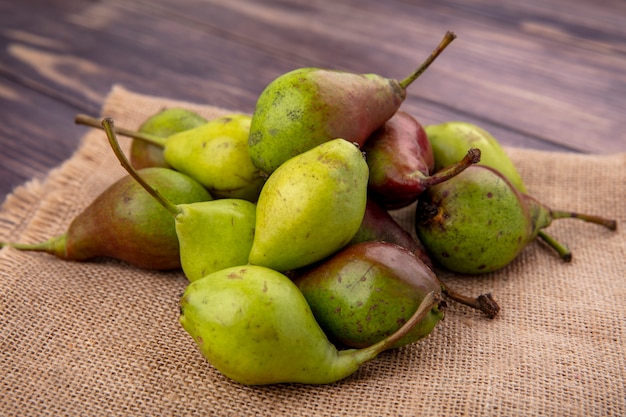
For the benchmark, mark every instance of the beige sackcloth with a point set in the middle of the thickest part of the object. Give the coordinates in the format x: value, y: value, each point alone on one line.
x: 102, y: 338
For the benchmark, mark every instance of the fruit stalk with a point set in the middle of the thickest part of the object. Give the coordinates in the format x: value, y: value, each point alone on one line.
x: 447, y: 39
x: 83, y: 119
x: 110, y: 130
x: 562, y: 250
x: 472, y: 157
x: 561, y: 214
x: 483, y: 302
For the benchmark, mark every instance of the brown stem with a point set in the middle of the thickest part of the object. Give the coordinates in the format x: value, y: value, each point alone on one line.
x: 484, y: 302
x: 608, y: 223
x: 447, y: 39
x: 83, y: 119
x: 109, y: 128
x: 472, y: 157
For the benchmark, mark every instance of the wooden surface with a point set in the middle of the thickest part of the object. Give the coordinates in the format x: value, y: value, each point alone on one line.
x: 544, y: 74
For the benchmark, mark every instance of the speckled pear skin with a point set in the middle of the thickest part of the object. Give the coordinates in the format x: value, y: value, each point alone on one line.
x: 476, y: 222
x: 366, y: 291
x: 163, y: 124
x: 214, y: 235
x: 309, y: 106
x: 216, y: 155
x: 311, y: 206
x: 449, y: 140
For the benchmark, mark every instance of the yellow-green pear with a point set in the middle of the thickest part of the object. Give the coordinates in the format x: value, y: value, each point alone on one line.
x: 254, y: 326
x: 311, y: 206
x: 215, y: 154
x: 214, y: 236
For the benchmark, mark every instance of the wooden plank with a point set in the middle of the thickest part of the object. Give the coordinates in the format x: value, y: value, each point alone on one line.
x: 36, y: 134
x: 549, y: 88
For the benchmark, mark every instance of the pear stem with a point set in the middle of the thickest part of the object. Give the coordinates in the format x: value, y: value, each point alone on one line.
x: 561, y: 249
x: 83, y: 119
x: 447, y: 39
x: 109, y: 128
x: 560, y: 214
x: 33, y: 247
x: 472, y: 157
x: 483, y: 302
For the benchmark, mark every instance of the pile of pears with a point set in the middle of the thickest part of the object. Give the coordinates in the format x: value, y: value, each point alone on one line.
x: 282, y: 222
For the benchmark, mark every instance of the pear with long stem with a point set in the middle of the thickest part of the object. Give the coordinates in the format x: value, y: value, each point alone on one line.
x: 214, y: 153
x: 309, y: 106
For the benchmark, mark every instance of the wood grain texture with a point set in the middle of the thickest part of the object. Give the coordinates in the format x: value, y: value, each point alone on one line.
x: 545, y: 75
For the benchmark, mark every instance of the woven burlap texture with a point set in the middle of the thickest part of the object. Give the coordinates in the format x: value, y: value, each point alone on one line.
x: 102, y: 338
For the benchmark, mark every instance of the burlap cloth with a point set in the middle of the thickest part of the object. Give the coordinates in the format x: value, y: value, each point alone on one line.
x: 102, y: 338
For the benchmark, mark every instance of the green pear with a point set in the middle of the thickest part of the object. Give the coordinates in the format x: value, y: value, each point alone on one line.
x: 309, y: 106
x: 211, y: 236
x: 311, y: 206
x: 215, y: 154
x: 452, y: 139
x: 255, y: 327
x: 164, y: 123
x: 478, y: 222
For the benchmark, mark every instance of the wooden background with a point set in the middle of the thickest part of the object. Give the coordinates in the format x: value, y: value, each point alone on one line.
x: 544, y: 74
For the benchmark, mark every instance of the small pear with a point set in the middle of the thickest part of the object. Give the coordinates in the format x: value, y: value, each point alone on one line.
x: 215, y: 154
x: 164, y: 123
x: 479, y: 222
x: 212, y: 235
x: 126, y: 223
x: 450, y: 140
x: 255, y: 327
x: 311, y: 206
x: 309, y: 106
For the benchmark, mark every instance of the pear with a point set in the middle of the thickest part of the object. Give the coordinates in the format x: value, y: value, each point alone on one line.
x: 254, y: 326
x: 212, y: 234
x: 310, y: 207
x: 366, y: 291
x: 478, y: 222
x: 309, y: 106
x: 449, y: 141
x: 215, y: 154
x: 126, y: 223
x: 164, y: 123
x: 401, y: 162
